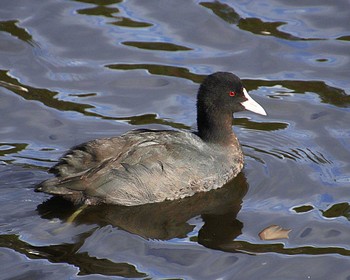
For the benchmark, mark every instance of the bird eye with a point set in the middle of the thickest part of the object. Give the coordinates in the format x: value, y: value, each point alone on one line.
x: 232, y: 93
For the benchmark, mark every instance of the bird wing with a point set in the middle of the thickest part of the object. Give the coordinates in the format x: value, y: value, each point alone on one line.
x: 147, y: 166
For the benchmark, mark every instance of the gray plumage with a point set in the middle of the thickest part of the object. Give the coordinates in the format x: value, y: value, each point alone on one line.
x: 143, y: 166
x: 146, y: 166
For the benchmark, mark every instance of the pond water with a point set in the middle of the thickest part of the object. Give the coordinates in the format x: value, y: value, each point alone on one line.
x: 71, y: 71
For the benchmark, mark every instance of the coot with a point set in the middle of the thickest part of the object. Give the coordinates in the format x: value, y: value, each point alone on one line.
x: 148, y: 166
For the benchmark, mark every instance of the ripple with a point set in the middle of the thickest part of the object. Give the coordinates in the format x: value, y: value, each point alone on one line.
x: 253, y: 25
x: 11, y: 148
x: 44, y: 96
x: 99, y: 11
x: 338, y: 210
x: 149, y: 119
x: 48, y: 98
x: 87, y: 264
x: 156, y: 46
x: 81, y: 95
x: 223, y: 11
x: 283, y: 146
x: 344, y: 38
x: 103, y: 8
x: 141, y: 82
x: 251, y: 248
x: 266, y: 126
x: 99, y: 2
x: 257, y: 26
x: 127, y: 22
x: 303, y: 208
x: 78, y: 85
x: 157, y: 69
x: 11, y: 27
x: 12, y: 86
x: 327, y: 93
x: 21, y: 264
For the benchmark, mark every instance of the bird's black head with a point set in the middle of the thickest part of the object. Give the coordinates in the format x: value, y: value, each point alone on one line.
x: 220, y: 95
x: 224, y: 91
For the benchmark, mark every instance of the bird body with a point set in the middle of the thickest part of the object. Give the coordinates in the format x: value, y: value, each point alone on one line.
x: 132, y: 169
x: 148, y: 166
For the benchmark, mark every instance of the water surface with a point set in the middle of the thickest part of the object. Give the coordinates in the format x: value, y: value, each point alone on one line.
x: 71, y: 71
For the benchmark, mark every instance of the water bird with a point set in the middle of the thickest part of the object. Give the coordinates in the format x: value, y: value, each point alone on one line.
x: 148, y: 166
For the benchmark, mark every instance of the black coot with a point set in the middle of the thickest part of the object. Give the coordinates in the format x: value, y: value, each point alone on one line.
x: 147, y: 166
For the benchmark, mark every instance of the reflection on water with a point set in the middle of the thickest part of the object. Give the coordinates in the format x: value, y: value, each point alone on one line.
x: 77, y: 70
x: 254, y: 25
x: 12, y: 28
x: 160, y: 46
x: 165, y: 220
x: 103, y: 8
x: 326, y: 93
x: 167, y: 70
x: 338, y: 210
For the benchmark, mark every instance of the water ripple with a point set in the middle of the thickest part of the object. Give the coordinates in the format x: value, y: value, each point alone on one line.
x: 254, y: 25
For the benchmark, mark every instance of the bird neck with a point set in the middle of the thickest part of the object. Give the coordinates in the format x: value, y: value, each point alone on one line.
x: 215, y: 127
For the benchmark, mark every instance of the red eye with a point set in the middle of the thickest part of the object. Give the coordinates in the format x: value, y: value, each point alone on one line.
x: 232, y: 93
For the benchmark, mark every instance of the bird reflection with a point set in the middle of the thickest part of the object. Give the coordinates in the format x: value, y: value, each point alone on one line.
x: 166, y: 220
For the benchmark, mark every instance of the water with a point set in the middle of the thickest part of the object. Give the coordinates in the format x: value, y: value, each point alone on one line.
x: 71, y: 71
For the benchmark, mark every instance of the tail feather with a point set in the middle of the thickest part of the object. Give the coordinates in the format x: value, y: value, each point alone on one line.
x: 56, y: 187
x: 73, y: 162
x: 52, y: 186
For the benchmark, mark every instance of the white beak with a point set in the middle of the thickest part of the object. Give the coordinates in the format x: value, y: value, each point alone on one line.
x: 252, y: 105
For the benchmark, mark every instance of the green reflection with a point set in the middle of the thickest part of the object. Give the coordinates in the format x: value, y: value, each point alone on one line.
x: 102, y: 9
x: 68, y: 253
x: 259, y: 27
x: 48, y: 98
x: 344, y: 38
x: 127, y: 22
x: 266, y: 126
x: 44, y: 96
x: 223, y: 11
x: 151, y: 119
x: 322, y: 60
x: 303, y: 208
x: 100, y: 2
x: 253, y: 25
x: 328, y: 94
x: 99, y: 11
x: 158, y: 46
x: 82, y: 94
x: 338, y: 210
x: 11, y: 152
x: 164, y: 70
x: 11, y: 148
x: 11, y: 27
x: 251, y: 248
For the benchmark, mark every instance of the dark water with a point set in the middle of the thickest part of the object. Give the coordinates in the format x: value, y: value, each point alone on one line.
x: 71, y: 71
